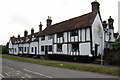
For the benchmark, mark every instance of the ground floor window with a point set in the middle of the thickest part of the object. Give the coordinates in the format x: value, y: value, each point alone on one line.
x: 42, y: 48
x: 15, y: 49
x: 32, y: 49
x: 75, y: 47
x: 59, y: 47
x: 20, y: 48
x: 50, y: 48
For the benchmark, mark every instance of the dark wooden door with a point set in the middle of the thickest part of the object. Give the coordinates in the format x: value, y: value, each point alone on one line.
x: 46, y: 50
x: 96, y: 50
x: 35, y: 50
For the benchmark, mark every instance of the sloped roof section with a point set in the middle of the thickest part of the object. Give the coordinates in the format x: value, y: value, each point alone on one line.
x: 83, y: 21
x: 13, y: 39
x: 22, y: 40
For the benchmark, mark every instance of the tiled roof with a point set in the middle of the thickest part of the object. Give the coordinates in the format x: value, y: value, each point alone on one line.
x: 23, y: 39
x: 13, y: 39
x: 83, y: 21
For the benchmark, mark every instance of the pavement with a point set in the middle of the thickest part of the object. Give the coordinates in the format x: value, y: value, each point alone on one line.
x: 17, y: 69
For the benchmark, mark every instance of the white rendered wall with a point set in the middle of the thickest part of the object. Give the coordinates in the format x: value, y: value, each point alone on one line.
x: 46, y: 42
x: 64, y: 48
x: 10, y: 47
x: 25, y: 45
x: 16, y: 47
x: 33, y: 44
x: 65, y: 36
x: 84, y: 49
x: 87, y: 34
x: 98, y: 34
x: 83, y: 35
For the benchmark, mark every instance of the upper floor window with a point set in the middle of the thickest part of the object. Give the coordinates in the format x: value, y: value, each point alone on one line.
x: 15, y: 49
x: 59, y: 35
x: 49, y: 37
x: 42, y: 38
x: 59, y: 47
x: 74, y: 33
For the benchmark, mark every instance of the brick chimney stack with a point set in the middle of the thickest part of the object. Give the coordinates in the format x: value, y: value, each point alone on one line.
x: 32, y: 31
x: 104, y: 24
x: 110, y: 23
x: 18, y: 35
x: 49, y: 21
x: 40, y: 27
x: 95, y: 6
x: 25, y: 33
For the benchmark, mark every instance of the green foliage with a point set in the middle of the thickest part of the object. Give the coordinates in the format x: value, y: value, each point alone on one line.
x: 4, y: 49
x: 67, y: 66
x: 116, y: 45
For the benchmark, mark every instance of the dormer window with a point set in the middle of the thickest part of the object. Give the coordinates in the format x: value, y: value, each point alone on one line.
x: 74, y: 33
x: 49, y: 37
x: 42, y: 38
x: 59, y: 35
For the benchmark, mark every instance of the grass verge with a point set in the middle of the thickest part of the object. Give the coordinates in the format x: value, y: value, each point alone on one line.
x: 67, y: 66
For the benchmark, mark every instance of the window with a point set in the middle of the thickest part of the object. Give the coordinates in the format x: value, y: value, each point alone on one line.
x: 20, y: 49
x: 74, y: 33
x: 24, y: 49
x: 75, y: 47
x: 42, y: 48
x: 50, y: 48
x: 59, y: 35
x: 59, y: 47
x: 49, y: 37
x: 15, y: 49
x: 32, y: 49
x: 42, y: 38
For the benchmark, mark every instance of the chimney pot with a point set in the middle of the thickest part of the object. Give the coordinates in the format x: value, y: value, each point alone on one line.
x: 32, y: 31
x: 95, y: 6
x: 49, y: 21
x: 40, y: 27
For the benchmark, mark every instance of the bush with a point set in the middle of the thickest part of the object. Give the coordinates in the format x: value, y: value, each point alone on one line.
x: 116, y: 45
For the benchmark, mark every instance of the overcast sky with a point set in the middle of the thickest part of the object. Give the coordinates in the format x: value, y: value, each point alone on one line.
x: 19, y: 15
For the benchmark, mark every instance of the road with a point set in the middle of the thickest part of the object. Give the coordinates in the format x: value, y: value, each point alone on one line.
x: 17, y: 69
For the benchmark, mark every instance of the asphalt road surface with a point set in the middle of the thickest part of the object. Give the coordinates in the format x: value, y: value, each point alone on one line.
x: 17, y: 69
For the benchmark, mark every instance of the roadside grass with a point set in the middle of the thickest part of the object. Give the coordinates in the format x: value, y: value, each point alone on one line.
x: 103, y: 70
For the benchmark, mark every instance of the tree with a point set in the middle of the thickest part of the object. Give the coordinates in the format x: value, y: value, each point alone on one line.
x: 5, y: 49
x: 116, y: 45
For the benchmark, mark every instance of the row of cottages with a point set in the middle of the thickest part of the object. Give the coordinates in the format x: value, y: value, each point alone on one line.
x: 84, y: 35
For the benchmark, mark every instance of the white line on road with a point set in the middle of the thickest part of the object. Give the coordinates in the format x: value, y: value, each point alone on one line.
x: 38, y: 73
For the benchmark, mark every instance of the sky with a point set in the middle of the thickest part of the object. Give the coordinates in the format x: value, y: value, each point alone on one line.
x: 16, y: 16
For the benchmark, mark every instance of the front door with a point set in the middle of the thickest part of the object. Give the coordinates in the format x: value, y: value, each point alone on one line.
x: 35, y: 50
x: 96, y: 50
x: 46, y: 50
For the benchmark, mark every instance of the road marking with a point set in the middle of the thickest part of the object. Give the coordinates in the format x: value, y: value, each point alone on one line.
x: 22, y: 77
x: 2, y: 75
x: 7, y: 74
x: 12, y: 68
x: 38, y: 73
x: 18, y: 71
x: 7, y: 66
x: 29, y: 76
